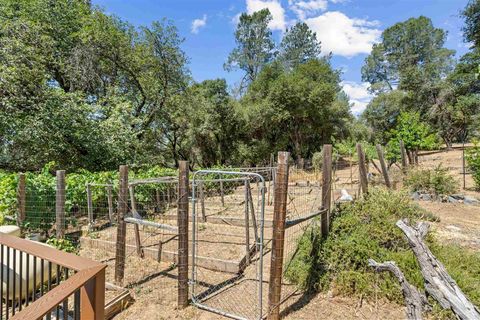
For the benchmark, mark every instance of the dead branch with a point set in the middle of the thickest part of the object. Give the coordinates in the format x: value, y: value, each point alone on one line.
x: 438, y: 282
x: 415, y: 301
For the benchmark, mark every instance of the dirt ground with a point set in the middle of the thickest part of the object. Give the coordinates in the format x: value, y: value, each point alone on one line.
x: 154, y: 284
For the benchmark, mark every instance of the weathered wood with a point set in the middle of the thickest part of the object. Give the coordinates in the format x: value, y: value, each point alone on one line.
x: 60, y: 204
x: 415, y: 301
x: 326, y: 188
x: 362, y: 169
x: 89, y: 206
x: 160, y: 248
x: 110, y: 203
x: 21, y: 199
x: 222, y: 193
x: 136, y: 230
x: 121, y: 225
x: 118, y: 304
x: 278, y: 236
x: 403, y: 154
x: 383, y: 165
x: 438, y: 282
x: 252, y: 213
x: 201, y: 195
x: 182, y: 221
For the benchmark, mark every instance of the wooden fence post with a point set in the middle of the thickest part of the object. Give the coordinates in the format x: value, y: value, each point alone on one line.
x: 89, y: 206
x: 182, y: 222
x: 60, y: 204
x: 326, y: 187
x: 92, y: 298
x: 121, y: 225
x: 383, y: 166
x: 136, y: 229
x: 21, y: 199
x: 403, y: 154
x: 110, y: 203
x: 278, y: 241
x: 362, y: 169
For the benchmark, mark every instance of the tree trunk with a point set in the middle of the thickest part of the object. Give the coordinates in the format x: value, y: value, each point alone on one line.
x: 438, y: 282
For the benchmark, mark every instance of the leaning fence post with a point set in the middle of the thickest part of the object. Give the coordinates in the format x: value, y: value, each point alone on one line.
x: 182, y: 222
x: 136, y: 230
x: 121, y: 225
x: 60, y: 204
x: 362, y: 169
x: 21, y: 199
x: 403, y: 154
x: 278, y: 241
x: 326, y: 187
x: 381, y: 158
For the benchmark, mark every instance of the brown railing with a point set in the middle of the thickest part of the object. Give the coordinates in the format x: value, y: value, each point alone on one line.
x: 40, y: 282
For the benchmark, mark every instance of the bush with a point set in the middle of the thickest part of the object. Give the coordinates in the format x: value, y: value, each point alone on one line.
x: 366, y: 229
x: 317, y: 161
x: 437, y: 181
x: 473, y: 159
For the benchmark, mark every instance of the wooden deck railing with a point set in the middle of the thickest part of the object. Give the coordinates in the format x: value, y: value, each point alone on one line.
x: 64, y: 285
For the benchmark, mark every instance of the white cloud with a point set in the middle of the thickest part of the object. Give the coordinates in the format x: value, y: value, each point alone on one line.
x: 275, y: 8
x: 306, y: 8
x: 358, y: 94
x: 344, y: 36
x: 197, y: 24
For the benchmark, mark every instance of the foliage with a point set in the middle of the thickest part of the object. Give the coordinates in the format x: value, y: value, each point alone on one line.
x: 62, y: 244
x: 436, y: 181
x: 348, y: 148
x: 473, y: 158
x: 317, y: 161
x: 296, y: 110
x: 366, y: 229
x: 299, y: 44
x: 471, y: 29
x: 415, y: 134
x: 254, y: 45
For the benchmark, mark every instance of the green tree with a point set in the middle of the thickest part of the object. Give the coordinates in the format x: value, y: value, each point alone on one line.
x: 299, y: 44
x: 296, y: 111
x: 255, y: 46
x: 411, y: 57
x: 382, y: 112
x: 471, y: 29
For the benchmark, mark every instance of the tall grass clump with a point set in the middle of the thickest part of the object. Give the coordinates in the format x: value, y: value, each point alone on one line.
x: 366, y: 229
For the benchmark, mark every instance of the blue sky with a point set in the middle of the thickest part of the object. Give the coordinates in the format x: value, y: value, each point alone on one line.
x: 347, y: 28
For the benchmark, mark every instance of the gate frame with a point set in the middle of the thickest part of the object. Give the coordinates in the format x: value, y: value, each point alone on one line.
x: 196, y: 302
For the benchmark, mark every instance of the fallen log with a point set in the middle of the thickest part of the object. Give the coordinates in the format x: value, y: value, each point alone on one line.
x: 438, y: 282
x: 415, y: 301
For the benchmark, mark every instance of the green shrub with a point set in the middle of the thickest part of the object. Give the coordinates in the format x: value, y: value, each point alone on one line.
x: 317, y: 161
x: 473, y: 159
x: 435, y: 181
x: 366, y: 229
x: 62, y: 244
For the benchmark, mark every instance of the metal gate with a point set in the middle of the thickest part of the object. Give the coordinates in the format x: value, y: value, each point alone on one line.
x: 228, y: 272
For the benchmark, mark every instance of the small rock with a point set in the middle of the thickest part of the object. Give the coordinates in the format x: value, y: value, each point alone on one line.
x: 451, y: 199
x: 458, y: 196
x: 416, y: 195
x: 453, y: 228
x: 471, y: 201
x: 426, y: 197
